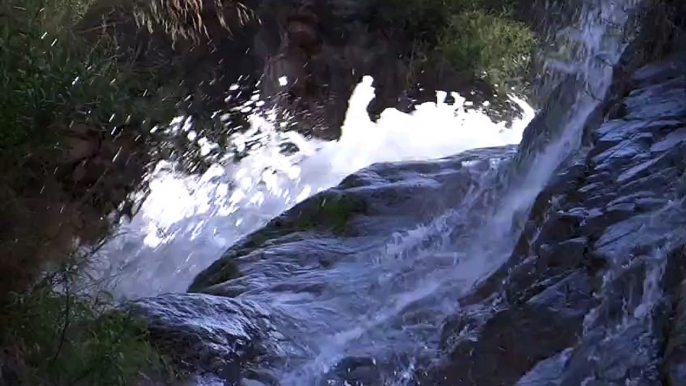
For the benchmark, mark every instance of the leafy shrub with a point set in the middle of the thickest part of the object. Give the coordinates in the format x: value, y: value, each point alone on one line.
x: 184, y: 19
x: 481, y: 39
x: 419, y: 19
x: 53, y: 78
x: 488, y: 45
x: 69, y: 337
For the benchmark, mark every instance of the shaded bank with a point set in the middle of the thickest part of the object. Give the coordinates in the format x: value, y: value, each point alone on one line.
x: 323, y: 48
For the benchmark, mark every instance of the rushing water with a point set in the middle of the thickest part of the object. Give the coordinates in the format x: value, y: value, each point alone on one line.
x: 187, y: 222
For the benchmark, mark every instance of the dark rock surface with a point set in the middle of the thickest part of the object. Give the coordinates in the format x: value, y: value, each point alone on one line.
x: 611, y: 252
x: 206, y: 334
x: 234, y: 326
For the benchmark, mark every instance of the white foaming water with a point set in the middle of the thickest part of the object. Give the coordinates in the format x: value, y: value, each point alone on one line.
x: 188, y: 221
x: 599, y: 49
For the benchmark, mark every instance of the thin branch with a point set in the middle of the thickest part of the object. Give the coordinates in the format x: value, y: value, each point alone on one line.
x: 67, y: 310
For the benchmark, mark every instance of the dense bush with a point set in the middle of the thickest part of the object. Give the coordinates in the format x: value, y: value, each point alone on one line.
x: 52, y: 79
x: 69, y: 82
x: 490, y: 46
x: 53, y: 74
x: 477, y: 39
x: 70, y: 337
x: 184, y: 19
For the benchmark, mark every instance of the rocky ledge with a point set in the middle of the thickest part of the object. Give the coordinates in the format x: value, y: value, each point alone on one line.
x: 233, y: 321
x: 593, y: 293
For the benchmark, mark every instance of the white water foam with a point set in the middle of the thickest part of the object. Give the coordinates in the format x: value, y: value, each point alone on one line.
x: 187, y: 221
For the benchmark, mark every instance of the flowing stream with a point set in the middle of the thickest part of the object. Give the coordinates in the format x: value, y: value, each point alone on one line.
x: 384, y: 301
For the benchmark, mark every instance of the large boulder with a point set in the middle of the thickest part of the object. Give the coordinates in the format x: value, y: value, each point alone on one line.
x: 367, y: 208
x: 205, y: 334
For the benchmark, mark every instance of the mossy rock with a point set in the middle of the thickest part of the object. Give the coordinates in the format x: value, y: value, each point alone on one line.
x: 333, y: 213
x: 228, y: 271
x: 328, y: 212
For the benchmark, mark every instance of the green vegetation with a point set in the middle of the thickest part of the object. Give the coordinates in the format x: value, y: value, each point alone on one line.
x: 330, y: 212
x: 75, y: 95
x: 491, y: 46
x: 70, y: 337
x: 182, y: 19
x: 228, y: 271
x: 54, y: 76
x: 64, y: 93
x: 63, y: 89
x: 471, y: 36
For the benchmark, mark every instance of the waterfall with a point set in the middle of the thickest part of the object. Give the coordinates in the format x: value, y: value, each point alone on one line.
x: 188, y: 221
x: 386, y: 298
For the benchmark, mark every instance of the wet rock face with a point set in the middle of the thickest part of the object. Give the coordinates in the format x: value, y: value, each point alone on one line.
x: 514, y: 339
x: 215, y: 330
x: 593, y: 293
x: 205, y: 334
x: 366, y: 207
x: 675, y: 352
x: 354, y: 371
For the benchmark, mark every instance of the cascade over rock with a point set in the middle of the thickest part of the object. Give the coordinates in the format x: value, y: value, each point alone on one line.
x: 328, y: 230
x: 368, y: 206
x: 591, y: 295
x: 592, y: 292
